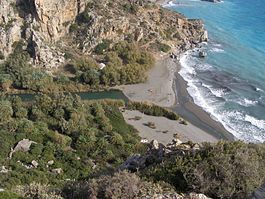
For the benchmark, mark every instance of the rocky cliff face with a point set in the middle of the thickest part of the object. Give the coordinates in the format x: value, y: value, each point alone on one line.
x: 43, y: 25
x: 146, y: 24
x: 54, y: 17
x: 10, y: 26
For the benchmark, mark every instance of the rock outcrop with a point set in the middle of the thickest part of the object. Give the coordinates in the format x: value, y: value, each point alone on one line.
x: 10, y: 26
x: 22, y: 145
x: 39, y: 22
x: 147, y: 24
x: 55, y: 17
x: 44, y: 25
x: 157, y: 152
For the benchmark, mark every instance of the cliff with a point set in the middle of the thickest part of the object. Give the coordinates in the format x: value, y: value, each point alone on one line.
x: 44, y: 27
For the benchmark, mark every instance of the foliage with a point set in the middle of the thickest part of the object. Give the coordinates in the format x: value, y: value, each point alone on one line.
x: 225, y: 170
x: 36, y: 190
x: 100, y: 48
x: 119, y: 185
x: 9, y: 195
x: 2, y: 56
x: 75, y: 134
x: 154, y: 110
x: 126, y: 63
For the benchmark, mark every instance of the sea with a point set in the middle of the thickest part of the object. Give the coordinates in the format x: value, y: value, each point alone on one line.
x: 229, y: 83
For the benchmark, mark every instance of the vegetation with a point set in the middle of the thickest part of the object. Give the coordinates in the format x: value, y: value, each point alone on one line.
x: 80, y: 138
x: 154, y: 110
x: 119, y: 185
x: 225, y: 170
x: 125, y: 63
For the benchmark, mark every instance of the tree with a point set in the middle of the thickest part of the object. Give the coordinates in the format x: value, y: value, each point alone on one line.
x: 6, y: 111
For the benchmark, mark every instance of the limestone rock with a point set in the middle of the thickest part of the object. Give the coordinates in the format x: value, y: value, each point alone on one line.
x: 51, y: 162
x: 57, y: 170
x: 177, y: 196
x: 35, y: 163
x: 54, y: 17
x: 154, y: 144
x: 23, y: 145
x: 10, y: 26
x: 4, y: 170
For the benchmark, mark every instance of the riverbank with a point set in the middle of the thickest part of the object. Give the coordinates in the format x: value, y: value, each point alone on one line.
x: 165, y: 87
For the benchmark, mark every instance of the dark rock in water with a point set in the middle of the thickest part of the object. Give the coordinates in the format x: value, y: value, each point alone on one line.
x: 202, y: 54
x: 214, y: 1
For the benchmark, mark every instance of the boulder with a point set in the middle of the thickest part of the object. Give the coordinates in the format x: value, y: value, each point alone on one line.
x: 154, y: 145
x: 4, y: 170
x: 202, y: 54
x: 51, y: 162
x: 57, y: 170
x: 35, y: 163
x: 23, y: 145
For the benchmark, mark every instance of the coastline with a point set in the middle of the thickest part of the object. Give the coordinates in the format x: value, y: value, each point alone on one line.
x: 169, y: 90
x: 190, y: 111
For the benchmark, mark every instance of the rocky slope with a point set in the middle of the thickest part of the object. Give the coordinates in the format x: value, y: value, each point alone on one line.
x: 40, y: 24
x: 44, y: 27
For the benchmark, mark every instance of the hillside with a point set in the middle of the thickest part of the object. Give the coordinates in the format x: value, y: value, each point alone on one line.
x: 58, y: 146
x: 53, y: 39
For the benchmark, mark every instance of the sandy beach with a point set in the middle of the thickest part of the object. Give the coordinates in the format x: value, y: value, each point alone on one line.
x: 158, y: 87
x: 166, y: 88
x: 165, y: 129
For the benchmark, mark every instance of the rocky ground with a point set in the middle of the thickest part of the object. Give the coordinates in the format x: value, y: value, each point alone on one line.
x: 44, y: 27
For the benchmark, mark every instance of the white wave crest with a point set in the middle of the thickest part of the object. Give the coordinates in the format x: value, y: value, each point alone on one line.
x: 247, y: 102
x: 258, y: 123
x: 217, y: 50
x: 242, y: 126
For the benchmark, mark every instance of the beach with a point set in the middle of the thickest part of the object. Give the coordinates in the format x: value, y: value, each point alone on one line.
x: 166, y: 129
x: 166, y: 88
x: 158, y: 87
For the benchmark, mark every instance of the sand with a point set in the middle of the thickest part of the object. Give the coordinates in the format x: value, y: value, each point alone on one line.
x: 166, y: 88
x: 165, y: 129
x: 158, y: 87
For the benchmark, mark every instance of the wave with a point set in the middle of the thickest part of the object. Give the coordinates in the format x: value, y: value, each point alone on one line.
x: 217, y: 50
x: 214, y: 100
x: 258, y: 123
x: 247, y: 102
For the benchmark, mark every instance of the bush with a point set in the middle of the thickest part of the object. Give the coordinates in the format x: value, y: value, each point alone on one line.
x: 119, y: 185
x: 100, y: 48
x: 225, y: 170
x: 164, y: 47
x: 36, y: 190
x: 9, y: 195
x: 2, y: 55
x: 151, y: 109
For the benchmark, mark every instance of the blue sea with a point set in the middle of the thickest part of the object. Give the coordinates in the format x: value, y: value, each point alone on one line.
x: 230, y: 82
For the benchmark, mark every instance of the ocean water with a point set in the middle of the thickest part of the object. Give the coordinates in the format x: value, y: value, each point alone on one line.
x: 230, y: 82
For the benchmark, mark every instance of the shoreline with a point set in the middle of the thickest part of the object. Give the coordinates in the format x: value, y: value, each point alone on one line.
x: 166, y: 83
x: 195, y: 114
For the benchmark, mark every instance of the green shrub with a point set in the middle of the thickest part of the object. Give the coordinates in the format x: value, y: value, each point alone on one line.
x: 164, y: 47
x: 154, y: 110
x: 2, y: 56
x: 100, y: 48
x: 119, y: 185
x: 9, y: 195
x: 223, y: 170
